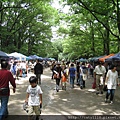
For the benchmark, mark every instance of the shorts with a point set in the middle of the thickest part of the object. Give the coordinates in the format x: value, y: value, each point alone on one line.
x: 33, y: 109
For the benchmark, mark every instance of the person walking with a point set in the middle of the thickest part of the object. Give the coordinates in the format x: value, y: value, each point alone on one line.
x: 72, y: 73
x: 99, y: 75
x: 112, y: 82
x: 57, y: 72
x: 13, y: 68
x: 64, y: 79
x: 5, y: 77
x: 78, y: 72
x: 52, y: 68
x: 91, y: 68
x: 83, y: 75
x: 38, y: 70
x: 33, y: 98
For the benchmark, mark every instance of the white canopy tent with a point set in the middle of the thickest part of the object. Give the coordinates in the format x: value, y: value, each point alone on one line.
x: 18, y: 56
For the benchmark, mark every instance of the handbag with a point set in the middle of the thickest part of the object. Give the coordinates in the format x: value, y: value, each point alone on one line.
x: 105, y: 88
x: 55, y: 76
x: 64, y: 79
x: 94, y: 84
x: 84, y: 77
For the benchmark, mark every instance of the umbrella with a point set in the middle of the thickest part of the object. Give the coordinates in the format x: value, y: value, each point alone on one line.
x: 29, y: 58
x: 19, y: 56
x: 34, y: 57
x: 82, y: 60
x: 47, y: 59
x: 52, y: 59
x: 105, y: 57
x: 116, y: 57
x: 3, y: 55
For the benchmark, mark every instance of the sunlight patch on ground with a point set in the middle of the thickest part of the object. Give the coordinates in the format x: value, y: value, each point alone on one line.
x: 76, y: 112
x: 15, y: 102
x: 91, y: 90
x: 114, y: 113
x: 100, y: 112
x: 103, y: 103
x: 92, y: 108
x: 64, y: 99
x: 19, y: 82
x: 44, y: 76
x: 77, y: 88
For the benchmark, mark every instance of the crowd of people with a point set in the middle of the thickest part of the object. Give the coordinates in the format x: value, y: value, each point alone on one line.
x: 63, y: 72
x: 105, y: 76
x: 69, y: 72
x: 22, y: 68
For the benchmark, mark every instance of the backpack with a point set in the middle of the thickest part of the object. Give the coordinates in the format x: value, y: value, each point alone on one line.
x: 84, y: 70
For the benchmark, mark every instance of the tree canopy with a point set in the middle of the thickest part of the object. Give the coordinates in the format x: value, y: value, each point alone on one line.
x: 26, y: 26
x: 89, y: 28
x: 93, y: 28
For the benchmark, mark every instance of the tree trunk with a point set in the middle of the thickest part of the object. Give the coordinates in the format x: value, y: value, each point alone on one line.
x: 107, y: 34
x: 106, y: 42
x: 29, y: 46
x: 92, y: 38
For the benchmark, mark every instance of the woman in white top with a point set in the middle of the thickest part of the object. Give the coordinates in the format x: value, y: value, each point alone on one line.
x: 112, y: 81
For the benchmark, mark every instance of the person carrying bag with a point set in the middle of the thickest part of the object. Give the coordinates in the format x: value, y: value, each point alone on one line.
x: 5, y: 77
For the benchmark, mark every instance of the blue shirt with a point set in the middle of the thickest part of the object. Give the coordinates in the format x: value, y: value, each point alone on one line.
x: 72, y: 71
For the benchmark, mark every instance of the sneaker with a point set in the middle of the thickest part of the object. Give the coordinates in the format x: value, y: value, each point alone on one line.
x: 111, y: 102
x: 57, y: 90
x: 81, y: 87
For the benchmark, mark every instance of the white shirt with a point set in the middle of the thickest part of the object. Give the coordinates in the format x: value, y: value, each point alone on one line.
x: 112, y: 79
x: 81, y: 73
x: 100, y: 69
x: 23, y: 65
x: 34, y: 98
x: 81, y: 70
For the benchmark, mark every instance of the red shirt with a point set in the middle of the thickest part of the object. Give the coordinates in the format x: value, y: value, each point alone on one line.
x: 6, y: 77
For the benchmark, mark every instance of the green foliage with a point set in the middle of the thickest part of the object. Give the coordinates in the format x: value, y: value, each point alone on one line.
x: 91, y: 26
x: 26, y: 26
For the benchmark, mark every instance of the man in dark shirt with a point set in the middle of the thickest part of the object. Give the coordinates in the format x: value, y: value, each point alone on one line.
x: 57, y: 71
x: 5, y: 77
x: 77, y: 72
x: 38, y: 70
